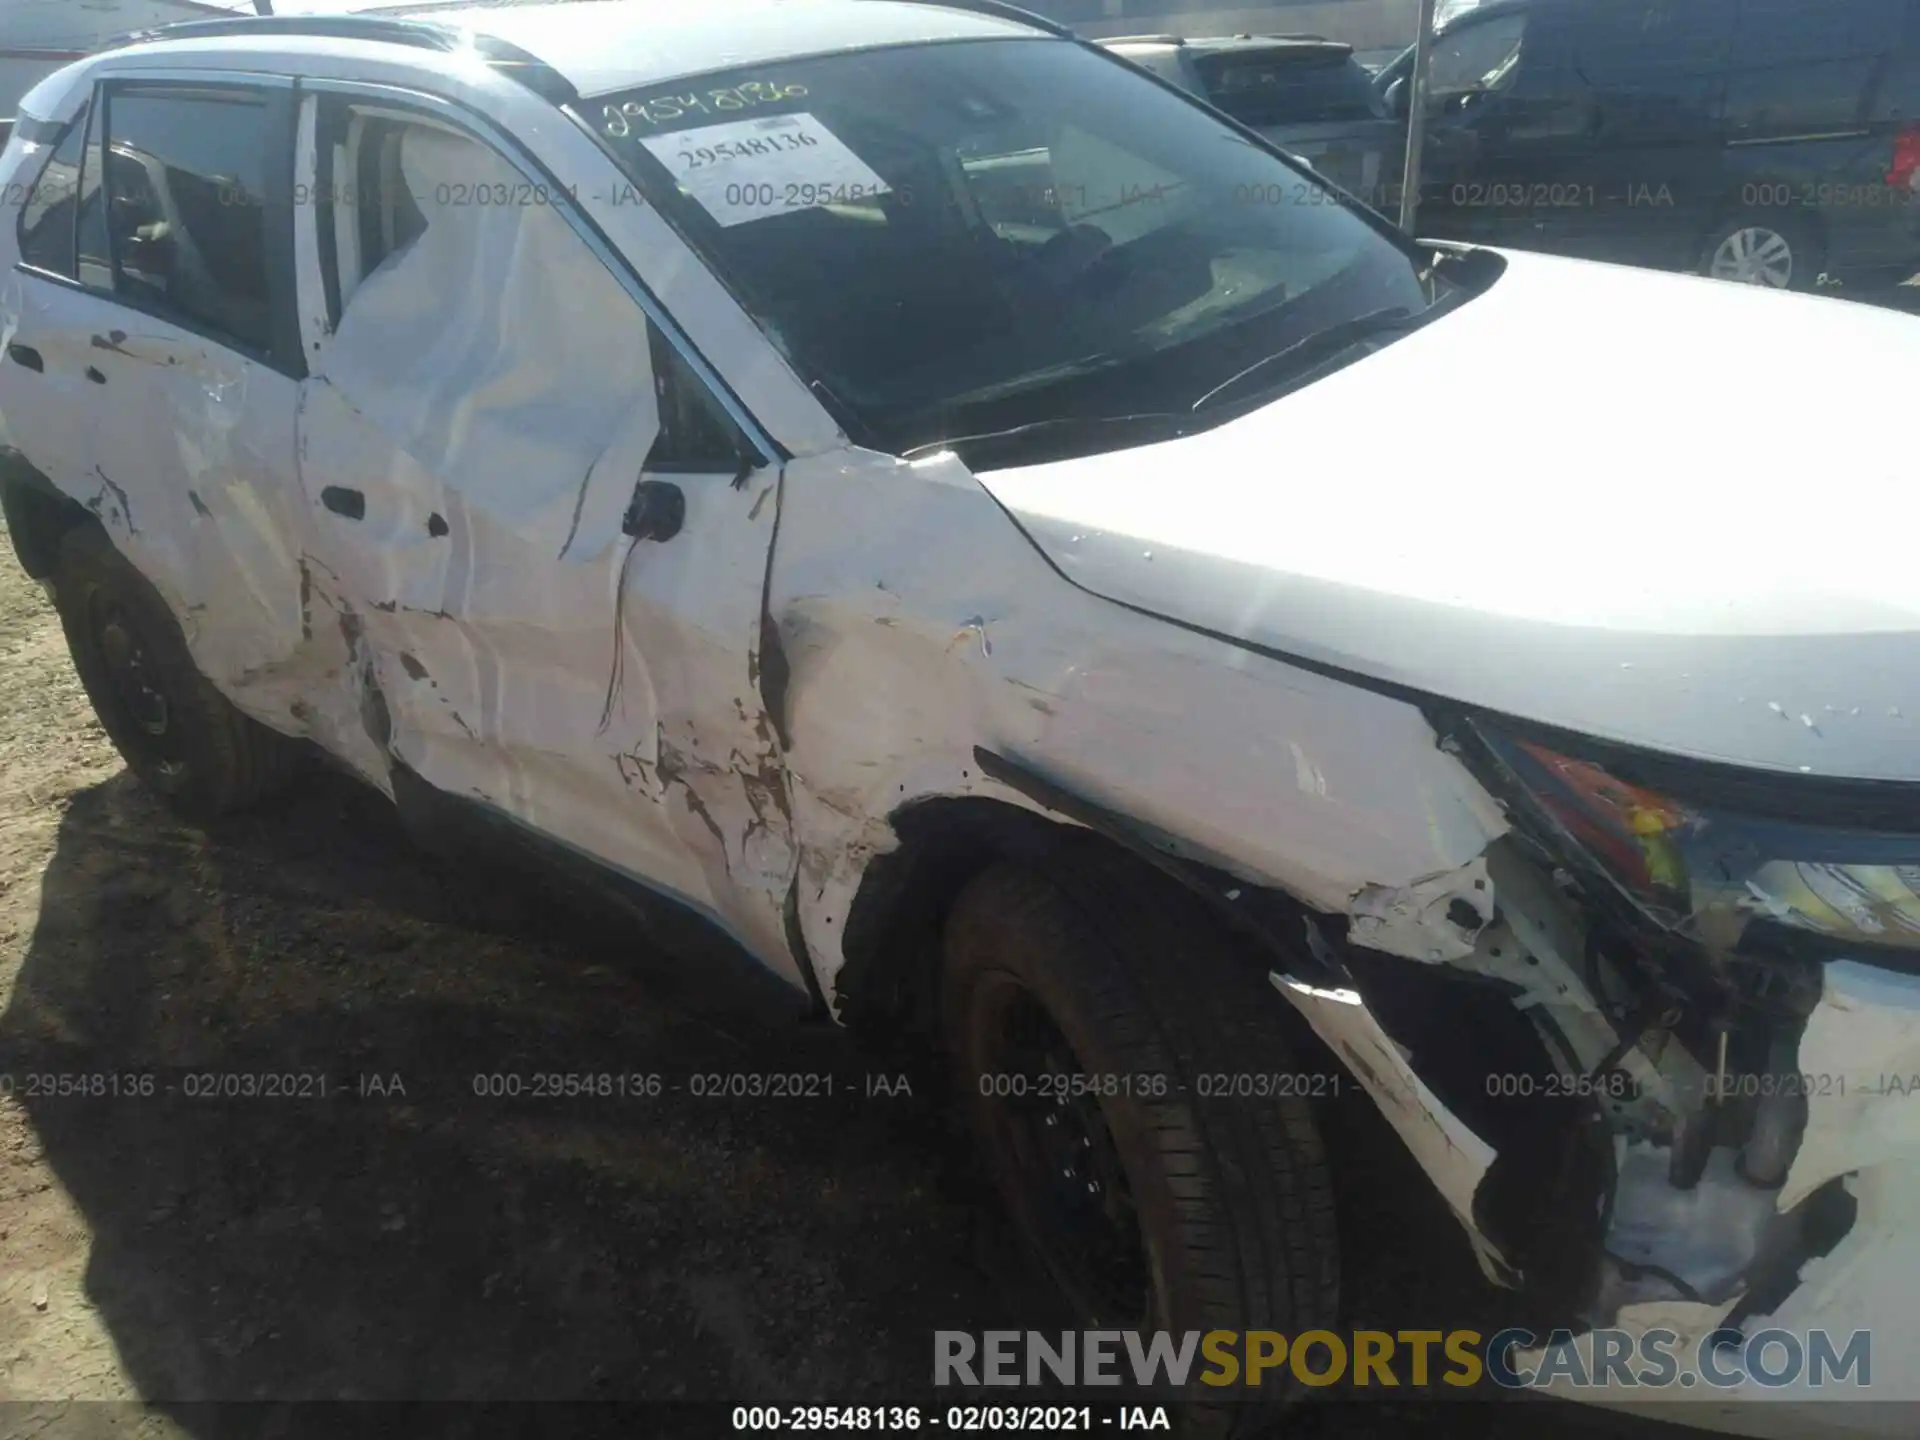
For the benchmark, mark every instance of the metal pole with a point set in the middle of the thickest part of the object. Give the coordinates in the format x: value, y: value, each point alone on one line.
x: 1416, y: 118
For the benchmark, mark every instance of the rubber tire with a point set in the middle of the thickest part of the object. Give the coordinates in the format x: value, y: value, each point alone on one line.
x: 1808, y: 254
x: 231, y: 760
x: 1234, y: 1196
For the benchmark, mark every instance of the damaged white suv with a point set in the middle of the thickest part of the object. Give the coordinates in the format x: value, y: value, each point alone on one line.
x: 1041, y: 572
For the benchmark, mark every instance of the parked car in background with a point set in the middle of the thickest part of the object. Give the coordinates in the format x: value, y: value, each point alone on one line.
x: 1767, y: 141
x: 1308, y: 94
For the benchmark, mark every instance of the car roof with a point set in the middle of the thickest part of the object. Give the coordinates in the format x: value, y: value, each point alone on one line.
x: 602, y: 46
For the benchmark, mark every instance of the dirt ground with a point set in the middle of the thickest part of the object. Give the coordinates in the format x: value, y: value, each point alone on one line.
x: 409, y: 1239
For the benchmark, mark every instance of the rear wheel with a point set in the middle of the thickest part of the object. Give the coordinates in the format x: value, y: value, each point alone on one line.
x: 183, y: 738
x: 1777, y: 253
x: 1096, y: 1020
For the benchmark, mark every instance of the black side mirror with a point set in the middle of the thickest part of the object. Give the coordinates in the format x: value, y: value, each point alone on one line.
x: 658, y: 510
x: 1398, y: 98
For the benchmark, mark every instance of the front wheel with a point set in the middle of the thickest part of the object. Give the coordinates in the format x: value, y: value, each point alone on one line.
x: 1098, y: 1025
x: 179, y: 735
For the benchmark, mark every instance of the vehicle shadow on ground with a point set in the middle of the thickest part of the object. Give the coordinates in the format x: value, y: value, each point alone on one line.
x: 413, y: 1239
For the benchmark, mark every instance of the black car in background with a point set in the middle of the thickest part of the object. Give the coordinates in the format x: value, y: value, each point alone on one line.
x: 1775, y: 142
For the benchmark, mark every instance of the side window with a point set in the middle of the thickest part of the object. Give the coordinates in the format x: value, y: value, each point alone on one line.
x: 46, y: 220
x: 184, y: 181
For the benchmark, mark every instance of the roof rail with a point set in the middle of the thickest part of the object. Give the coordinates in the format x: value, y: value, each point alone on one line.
x: 507, y: 58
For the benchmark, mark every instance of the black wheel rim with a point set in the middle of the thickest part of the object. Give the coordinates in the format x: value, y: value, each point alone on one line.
x: 1057, y: 1149
x: 136, y: 691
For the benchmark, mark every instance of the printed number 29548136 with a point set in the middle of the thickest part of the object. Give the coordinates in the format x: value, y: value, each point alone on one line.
x: 762, y: 166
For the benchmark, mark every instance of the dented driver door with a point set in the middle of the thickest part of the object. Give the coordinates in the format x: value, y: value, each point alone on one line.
x: 538, y: 544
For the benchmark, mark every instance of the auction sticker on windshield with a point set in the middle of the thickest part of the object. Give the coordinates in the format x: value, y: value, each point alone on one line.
x: 771, y: 165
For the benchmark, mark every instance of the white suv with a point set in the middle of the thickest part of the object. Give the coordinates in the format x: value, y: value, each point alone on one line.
x: 1044, y: 575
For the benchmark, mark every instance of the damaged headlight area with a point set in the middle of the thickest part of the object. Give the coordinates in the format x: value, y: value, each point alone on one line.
x: 1727, y: 880
x: 1670, y: 929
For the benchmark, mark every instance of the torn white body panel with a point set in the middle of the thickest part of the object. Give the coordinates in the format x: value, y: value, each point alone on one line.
x: 1861, y: 1056
x: 1863, y: 1039
x: 204, y: 454
x: 918, y: 625
x: 448, y: 453
x: 467, y: 469
x: 1865, y: 1285
x: 192, y: 480
x: 1455, y: 1158
x: 48, y: 420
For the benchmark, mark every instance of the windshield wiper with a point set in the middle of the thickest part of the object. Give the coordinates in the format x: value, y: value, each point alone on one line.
x: 1323, y: 345
x: 1106, y: 431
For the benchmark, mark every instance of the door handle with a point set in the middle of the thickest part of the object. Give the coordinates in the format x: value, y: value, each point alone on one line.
x: 350, y: 503
x: 658, y: 510
x: 27, y: 356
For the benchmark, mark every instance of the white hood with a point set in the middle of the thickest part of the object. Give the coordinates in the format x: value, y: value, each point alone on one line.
x: 1661, y: 510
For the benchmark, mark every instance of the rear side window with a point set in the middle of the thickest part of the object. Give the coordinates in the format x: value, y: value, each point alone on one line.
x: 1302, y: 87
x: 181, y: 212
x: 46, y: 219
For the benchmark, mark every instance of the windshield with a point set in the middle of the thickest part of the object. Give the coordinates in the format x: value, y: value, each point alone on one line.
x: 970, y: 236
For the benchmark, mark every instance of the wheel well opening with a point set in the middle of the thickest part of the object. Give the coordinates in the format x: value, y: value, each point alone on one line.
x: 38, y: 516
x: 888, y: 987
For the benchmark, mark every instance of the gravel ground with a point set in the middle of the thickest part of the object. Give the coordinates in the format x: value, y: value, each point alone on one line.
x: 426, y: 1243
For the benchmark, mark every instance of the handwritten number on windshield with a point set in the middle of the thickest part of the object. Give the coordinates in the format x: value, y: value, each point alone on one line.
x: 620, y: 121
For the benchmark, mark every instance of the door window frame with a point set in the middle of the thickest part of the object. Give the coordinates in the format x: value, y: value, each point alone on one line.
x: 316, y: 239
x: 283, y: 354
